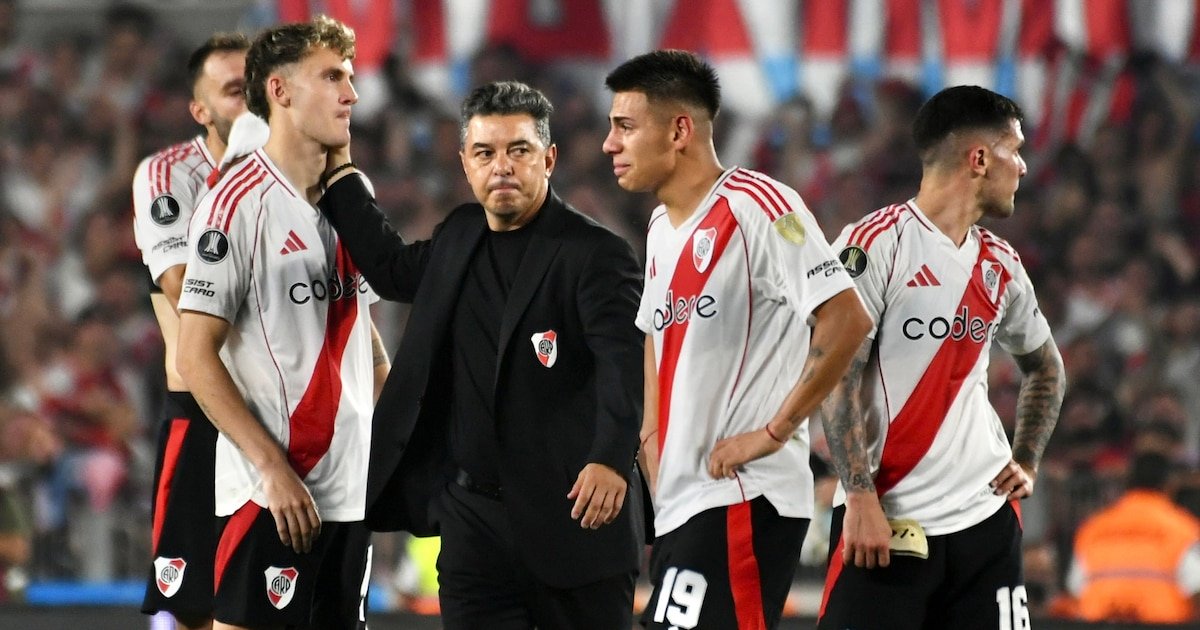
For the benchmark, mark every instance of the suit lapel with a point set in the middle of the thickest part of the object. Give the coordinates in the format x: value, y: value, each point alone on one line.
x: 543, y: 248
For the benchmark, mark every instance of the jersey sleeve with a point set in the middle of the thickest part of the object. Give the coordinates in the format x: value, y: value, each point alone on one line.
x: 1024, y: 328
x: 808, y: 270
x: 645, y: 310
x: 163, y: 200
x: 219, y: 261
x: 869, y: 270
x: 644, y: 319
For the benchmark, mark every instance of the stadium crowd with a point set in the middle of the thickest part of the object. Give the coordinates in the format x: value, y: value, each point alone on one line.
x: 1108, y: 227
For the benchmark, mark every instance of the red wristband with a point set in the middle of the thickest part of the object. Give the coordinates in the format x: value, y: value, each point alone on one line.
x: 768, y: 430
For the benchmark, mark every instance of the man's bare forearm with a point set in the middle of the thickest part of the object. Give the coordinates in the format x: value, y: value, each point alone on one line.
x: 1038, y: 402
x: 199, y: 363
x: 845, y: 428
x: 842, y: 323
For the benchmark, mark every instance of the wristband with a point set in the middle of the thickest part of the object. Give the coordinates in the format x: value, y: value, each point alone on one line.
x: 337, y: 169
x: 768, y: 430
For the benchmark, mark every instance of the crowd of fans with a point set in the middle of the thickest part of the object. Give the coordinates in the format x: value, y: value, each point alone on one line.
x: 1109, y: 230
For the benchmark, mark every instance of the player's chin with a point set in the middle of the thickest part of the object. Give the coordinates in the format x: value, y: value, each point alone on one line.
x: 629, y: 184
x: 337, y: 143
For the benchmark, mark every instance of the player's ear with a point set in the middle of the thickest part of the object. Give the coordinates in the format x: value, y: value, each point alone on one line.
x: 682, y: 130
x: 277, y: 90
x: 199, y: 112
x: 978, y: 159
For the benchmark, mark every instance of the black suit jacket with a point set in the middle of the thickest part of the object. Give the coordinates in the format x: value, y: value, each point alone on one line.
x: 576, y: 278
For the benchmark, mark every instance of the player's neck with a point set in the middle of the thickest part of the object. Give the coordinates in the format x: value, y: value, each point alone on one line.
x: 950, y: 204
x: 216, y: 147
x: 688, y: 186
x: 301, y: 160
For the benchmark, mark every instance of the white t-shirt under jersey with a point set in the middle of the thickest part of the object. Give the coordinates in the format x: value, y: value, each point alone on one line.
x: 937, y: 440
x: 299, y: 350
x: 166, y: 188
x: 727, y: 298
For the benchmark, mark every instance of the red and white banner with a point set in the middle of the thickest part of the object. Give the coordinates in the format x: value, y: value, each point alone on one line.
x: 1062, y: 59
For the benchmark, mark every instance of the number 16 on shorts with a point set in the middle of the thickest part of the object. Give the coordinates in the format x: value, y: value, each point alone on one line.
x: 1014, y: 609
x: 680, y: 598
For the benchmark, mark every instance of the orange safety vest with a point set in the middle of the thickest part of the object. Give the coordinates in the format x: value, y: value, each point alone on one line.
x: 1130, y: 554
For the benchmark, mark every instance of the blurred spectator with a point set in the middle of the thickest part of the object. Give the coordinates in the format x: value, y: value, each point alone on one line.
x: 1139, y: 559
x: 83, y: 392
x: 1046, y: 599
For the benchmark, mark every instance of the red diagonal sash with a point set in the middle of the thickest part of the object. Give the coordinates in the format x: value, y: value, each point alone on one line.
x: 913, y: 430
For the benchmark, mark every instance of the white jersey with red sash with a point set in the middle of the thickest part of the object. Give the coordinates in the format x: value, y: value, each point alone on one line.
x: 299, y: 349
x: 727, y: 298
x: 936, y: 441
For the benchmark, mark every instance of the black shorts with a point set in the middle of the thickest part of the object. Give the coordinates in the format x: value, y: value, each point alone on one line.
x: 727, y: 567
x: 183, y: 530
x: 971, y: 580
x: 261, y: 582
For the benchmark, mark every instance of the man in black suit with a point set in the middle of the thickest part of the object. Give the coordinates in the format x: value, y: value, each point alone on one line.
x: 510, y: 421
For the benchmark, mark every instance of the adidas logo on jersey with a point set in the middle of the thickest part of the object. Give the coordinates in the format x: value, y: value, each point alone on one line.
x: 924, y: 278
x: 292, y: 245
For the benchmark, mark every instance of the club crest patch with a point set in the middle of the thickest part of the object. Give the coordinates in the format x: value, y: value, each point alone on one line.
x: 168, y: 574
x: 545, y: 346
x: 281, y: 585
x: 703, y: 242
x: 212, y: 246
x: 164, y: 210
x: 990, y: 272
x: 854, y: 259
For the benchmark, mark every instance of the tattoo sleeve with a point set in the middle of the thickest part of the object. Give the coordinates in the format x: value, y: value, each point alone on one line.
x: 378, y: 352
x: 845, y: 425
x: 1038, y: 402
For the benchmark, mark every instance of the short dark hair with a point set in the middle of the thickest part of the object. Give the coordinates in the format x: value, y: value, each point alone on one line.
x: 220, y: 42
x: 1149, y: 471
x: 669, y: 75
x: 503, y: 98
x: 286, y: 44
x: 958, y: 108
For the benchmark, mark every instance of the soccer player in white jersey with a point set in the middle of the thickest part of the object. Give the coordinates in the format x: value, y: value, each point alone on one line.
x: 166, y: 188
x: 736, y: 269
x: 276, y: 343
x: 912, y: 434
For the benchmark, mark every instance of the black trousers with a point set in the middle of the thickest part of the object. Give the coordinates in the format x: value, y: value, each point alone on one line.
x: 483, y: 583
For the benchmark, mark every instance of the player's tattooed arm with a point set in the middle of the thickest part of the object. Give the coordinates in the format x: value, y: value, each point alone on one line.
x: 379, y: 360
x: 845, y: 429
x: 1038, y: 402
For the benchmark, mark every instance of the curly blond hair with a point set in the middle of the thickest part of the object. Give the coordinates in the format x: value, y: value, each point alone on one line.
x: 286, y: 44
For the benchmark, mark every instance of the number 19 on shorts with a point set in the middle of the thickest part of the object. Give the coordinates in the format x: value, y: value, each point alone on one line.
x: 680, y: 598
x: 1014, y: 610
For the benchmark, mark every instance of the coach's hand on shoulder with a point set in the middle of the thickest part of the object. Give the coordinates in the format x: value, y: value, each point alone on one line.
x: 599, y: 493
x: 1014, y: 480
x: 292, y: 505
x: 734, y: 452
x: 866, y: 535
